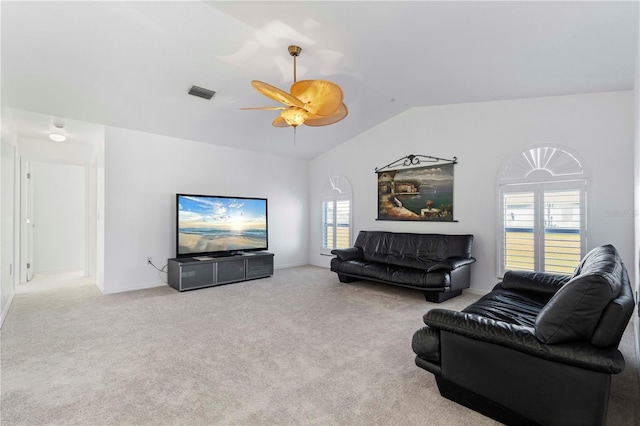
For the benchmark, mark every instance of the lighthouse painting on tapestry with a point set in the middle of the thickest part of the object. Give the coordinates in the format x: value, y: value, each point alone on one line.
x: 419, y: 194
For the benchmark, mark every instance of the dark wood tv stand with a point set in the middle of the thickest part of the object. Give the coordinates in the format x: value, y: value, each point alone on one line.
x: 189, y: 274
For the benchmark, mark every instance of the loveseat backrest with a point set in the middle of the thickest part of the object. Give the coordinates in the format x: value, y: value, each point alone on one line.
x: 615, y: 316
x: 603, y: 260
x: 413, y: 250
x: 606, y: 262
x: 594, y: 305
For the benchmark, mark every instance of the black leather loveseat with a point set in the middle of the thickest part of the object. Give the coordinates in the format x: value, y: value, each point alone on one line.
x: 538, y: 349
x: 435, y: 263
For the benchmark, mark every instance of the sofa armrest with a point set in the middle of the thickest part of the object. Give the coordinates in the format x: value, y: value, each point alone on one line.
x: 451, y: 263
x: 542, y: 283
x: 350, y: 253
x: 522, y: 339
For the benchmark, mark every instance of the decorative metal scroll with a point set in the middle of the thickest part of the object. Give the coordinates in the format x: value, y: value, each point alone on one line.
x: 412, y: 192
x: 415, y: 160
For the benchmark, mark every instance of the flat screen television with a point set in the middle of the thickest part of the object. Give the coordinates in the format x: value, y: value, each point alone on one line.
x: 220, y: 226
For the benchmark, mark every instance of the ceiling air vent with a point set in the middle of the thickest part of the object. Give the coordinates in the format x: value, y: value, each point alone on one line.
x: 201, y: 92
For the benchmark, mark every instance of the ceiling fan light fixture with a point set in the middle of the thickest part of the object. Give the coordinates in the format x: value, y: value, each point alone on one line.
x: 294, y: 116
x: 311, y: 102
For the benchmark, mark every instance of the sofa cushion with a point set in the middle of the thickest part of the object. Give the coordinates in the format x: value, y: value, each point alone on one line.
x: 412, y: 250
x: 574, y: 311
x: 410, y: 277
x: 508, y: 306
x: 362, y: 268
x: 419, y: 278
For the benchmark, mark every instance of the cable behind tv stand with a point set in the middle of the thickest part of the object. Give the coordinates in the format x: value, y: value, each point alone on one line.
x: 189, y: 273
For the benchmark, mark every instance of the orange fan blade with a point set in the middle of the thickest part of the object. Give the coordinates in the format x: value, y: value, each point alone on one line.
x: 276, y: 94
x: 279, y: 122
x: 320, y: 97
x: 330, y: 119
x: 264, y: 108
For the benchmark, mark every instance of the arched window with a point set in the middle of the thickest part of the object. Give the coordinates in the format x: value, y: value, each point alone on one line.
x: 542, y: 193
x: 336, y: 214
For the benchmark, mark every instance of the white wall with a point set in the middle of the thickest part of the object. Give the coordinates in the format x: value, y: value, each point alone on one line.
x: 8, y: 260
x: 97, y: 221
x: 143, y: 172
x: 47, y: 151
x: 636, y: 144
x: 60, y: 217
x: 482, y: 136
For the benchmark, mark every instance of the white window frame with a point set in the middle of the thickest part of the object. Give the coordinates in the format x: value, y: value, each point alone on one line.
x: 538, y: 190
x: 338, y: 188
x: 538, y: 169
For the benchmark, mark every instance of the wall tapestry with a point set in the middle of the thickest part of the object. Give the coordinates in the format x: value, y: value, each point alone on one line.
x: 419, y: 193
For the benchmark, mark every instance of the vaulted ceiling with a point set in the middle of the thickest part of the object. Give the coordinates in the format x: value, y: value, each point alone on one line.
x: 130, y: 64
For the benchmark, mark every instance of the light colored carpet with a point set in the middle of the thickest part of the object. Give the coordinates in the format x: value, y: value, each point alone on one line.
x: 295, y: 348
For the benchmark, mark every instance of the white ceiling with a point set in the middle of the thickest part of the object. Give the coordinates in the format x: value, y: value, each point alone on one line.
x: 130, y: 64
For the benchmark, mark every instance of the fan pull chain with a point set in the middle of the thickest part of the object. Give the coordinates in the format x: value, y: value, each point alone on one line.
x: 294, y: 80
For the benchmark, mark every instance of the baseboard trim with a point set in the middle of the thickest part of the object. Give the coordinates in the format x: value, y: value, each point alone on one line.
x: 5, y: 309
x: 140, y: 287
x: 292, y: 265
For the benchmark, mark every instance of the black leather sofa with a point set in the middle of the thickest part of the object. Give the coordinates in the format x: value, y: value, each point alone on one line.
x: 539, y: 348
x: 437, y: 264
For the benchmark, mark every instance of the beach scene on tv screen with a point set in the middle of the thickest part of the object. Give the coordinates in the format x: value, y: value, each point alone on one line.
x: 209, y: 224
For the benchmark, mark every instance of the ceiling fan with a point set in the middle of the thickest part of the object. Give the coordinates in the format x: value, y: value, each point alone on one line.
x: 311, y: 102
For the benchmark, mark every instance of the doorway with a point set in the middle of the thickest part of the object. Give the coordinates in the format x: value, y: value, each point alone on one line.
x: 54, y: 219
